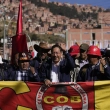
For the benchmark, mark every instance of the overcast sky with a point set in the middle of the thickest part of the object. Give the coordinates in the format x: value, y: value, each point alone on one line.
x: 102, y: 3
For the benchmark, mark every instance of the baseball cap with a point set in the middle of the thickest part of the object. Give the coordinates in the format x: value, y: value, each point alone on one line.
x: 74, y: 50
x: 84, y: 46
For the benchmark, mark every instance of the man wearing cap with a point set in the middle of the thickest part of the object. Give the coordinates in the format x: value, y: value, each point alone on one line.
x: 96, y: 69
x: 83, y: 54
x: 57, y: 69
x: 23, y: 73
x: 42, y: 55
x: 80, y: 55
x: 74, y: 52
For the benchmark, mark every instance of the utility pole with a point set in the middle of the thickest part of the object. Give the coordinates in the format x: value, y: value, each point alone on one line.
x: 102, y: 31
x: 4, y: 32
x: 4, y: 36
x: 66, y: 38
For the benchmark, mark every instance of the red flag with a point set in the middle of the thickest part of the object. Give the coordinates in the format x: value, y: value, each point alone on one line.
x: 19, y: 22
x: 19, y: 43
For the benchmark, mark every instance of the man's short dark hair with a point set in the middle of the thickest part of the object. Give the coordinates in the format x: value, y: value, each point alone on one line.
x: 54, y: 46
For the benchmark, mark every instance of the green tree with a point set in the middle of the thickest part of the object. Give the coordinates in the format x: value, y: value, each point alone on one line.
x: 47, y: 38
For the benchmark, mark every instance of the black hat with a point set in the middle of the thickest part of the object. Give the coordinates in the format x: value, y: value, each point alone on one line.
x: 43, y: 46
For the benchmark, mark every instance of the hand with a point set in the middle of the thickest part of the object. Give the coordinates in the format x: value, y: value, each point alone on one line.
x: 32, y: 70
x: 63, y: 46
x: 102, y: 61
x: 47, y: 82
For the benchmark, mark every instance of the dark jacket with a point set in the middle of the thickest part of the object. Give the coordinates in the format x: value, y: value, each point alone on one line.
x: 3, y: 67
x: 65, y: 66
x: 90, y: 73
x: 36, y: 63
x: 11, y: 75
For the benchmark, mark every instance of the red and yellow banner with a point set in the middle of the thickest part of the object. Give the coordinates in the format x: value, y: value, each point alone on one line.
x: 60, y: 96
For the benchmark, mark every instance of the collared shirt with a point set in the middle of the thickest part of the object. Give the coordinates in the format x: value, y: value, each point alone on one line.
x: 93, y: 66
x: 54, y: 72
x: 83, y: 62
x: 23, y: 76
x: 93, y: 71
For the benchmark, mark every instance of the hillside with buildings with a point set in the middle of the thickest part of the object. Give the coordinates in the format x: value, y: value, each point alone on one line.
x: 42, y: 16
x: 45, y: 21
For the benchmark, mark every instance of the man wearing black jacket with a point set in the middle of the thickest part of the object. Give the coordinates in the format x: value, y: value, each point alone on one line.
x: 57, y: 68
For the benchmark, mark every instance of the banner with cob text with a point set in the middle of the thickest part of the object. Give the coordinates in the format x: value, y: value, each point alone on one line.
x: 17, y: 95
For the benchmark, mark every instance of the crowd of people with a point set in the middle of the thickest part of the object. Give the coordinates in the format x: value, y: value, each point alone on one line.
x: 57, y: 64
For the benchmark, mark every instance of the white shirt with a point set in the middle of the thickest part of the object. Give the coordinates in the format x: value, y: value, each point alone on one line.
x: 54, y: 72
x: 20, y: 75
x: 1, y: 59
x: 83, y: 62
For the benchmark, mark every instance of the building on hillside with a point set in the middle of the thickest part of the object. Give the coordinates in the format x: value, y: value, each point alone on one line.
x: 99, y: 37
x: 45, y: 1
x: 104, y: 19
